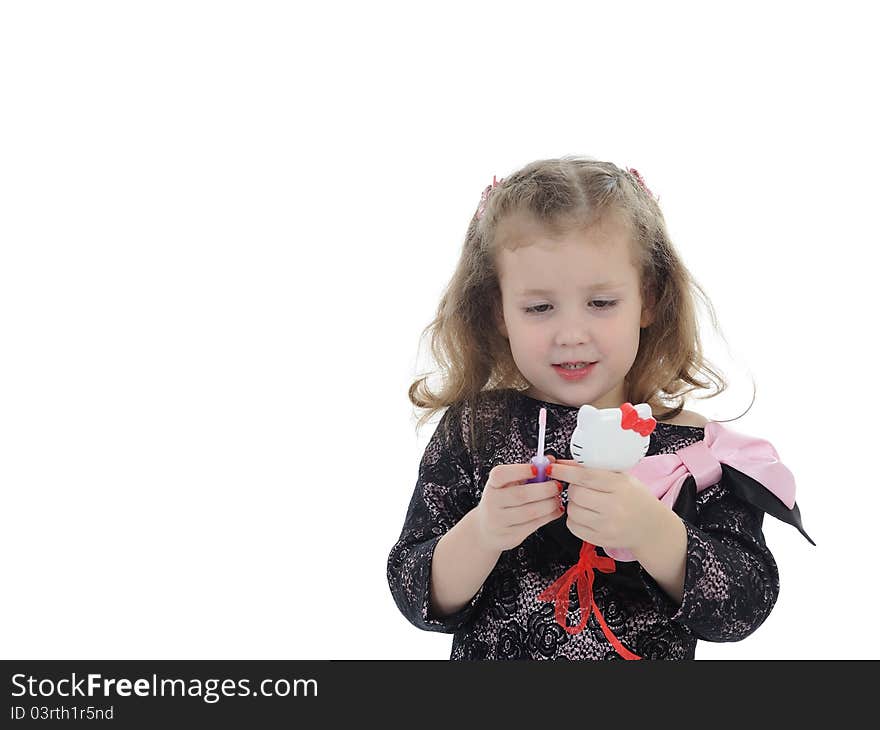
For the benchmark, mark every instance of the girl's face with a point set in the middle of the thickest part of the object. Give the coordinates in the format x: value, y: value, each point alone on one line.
x: 570, y: 299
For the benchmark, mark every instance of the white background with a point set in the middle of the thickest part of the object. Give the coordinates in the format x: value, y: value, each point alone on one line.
x: 225, y: 224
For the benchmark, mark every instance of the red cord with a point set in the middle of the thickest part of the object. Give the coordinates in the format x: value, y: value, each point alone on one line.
x: 581, y: 575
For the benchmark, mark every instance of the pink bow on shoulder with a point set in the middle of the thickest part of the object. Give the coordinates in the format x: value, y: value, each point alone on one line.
x: 664, y: 474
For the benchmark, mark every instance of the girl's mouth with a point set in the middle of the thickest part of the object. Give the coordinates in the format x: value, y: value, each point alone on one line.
x: 576, y: 373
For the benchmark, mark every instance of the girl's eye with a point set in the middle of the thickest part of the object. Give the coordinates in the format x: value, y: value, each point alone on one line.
x: 604, y: 304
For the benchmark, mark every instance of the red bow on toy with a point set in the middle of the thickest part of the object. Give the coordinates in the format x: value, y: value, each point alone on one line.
x: 631, y: 421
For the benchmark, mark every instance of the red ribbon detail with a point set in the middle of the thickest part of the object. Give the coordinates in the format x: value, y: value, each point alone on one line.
x: 631, y: 420
x: 581, y: 575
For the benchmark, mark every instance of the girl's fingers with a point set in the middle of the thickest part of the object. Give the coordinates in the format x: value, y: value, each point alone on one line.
x: 535, y: 512
x: 529, y: 527
x: 519, y: 494
x: 573, y: 472
x: 503, y: 475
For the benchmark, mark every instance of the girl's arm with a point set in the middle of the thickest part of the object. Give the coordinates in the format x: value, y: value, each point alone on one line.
x: 731, y: 580
x: 442, y: 594
x: 459, y: 568
x: 665, y: 555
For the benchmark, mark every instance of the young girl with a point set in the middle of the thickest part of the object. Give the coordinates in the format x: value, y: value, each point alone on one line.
x: 568, y: 291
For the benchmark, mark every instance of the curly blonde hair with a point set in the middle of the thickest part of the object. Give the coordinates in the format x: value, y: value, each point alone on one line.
x: 565, y: 194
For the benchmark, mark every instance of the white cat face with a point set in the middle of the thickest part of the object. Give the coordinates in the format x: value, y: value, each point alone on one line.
x: 601, y: 442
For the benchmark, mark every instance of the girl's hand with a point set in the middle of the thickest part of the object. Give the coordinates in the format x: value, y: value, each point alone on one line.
x: 610, y: 509
x: 510, y: 510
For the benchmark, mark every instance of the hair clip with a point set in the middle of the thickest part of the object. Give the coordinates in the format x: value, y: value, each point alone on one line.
x: 484, y: 198
x: 641, y: 180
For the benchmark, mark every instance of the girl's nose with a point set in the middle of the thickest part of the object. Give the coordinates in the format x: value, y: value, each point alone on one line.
x: 573, y: 331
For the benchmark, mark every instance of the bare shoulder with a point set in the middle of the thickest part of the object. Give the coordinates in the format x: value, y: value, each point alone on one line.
x: 688, y: 418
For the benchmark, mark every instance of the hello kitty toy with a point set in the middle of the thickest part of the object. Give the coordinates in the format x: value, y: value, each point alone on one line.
x: 615, y: 439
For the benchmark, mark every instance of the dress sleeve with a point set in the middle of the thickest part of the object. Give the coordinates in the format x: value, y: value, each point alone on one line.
x: 443, y: 494
x: 731, y: 579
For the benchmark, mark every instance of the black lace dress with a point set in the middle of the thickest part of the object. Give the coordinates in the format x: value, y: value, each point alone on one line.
x: 731, y: 581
